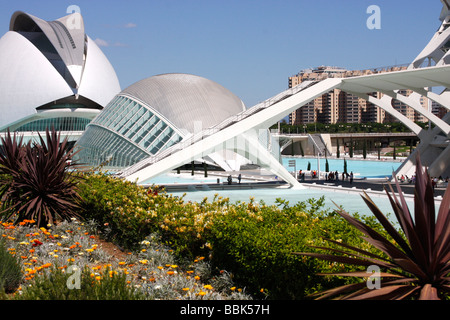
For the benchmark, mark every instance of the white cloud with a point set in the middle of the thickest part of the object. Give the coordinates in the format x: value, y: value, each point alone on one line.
x: 104, y: 43
x: 119, y: 44
x: 101, y: 42
x: 130, y: 25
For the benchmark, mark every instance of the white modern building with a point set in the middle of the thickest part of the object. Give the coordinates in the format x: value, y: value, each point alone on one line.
x: 154, y: 114
x: 52, y: 74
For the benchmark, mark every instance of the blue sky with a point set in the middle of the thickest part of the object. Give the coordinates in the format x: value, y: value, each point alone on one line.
x: 250, y: 47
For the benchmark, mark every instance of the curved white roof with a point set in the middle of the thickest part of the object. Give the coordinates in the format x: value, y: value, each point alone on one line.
x: 27, y: 80
x: 47, y: 62
x: 184, y: 99
x: 99, y: 81
x: 67, y: 40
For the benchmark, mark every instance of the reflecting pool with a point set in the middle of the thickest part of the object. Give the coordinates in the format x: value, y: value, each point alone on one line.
x: 351, y: 202
x: 361, y: 168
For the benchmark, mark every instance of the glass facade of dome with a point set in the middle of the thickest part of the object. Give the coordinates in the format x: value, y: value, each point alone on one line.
x: 126, y: 132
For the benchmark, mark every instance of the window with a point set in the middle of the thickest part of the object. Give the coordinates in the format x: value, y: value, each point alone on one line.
x: 60, y: 124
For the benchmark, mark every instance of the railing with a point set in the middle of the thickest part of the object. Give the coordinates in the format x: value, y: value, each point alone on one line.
x: 315, y: 144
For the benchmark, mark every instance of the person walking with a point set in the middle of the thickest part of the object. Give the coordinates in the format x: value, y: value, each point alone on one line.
x: 351, y: 177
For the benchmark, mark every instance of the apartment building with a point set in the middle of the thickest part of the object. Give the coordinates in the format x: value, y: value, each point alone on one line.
x: 337, y: 106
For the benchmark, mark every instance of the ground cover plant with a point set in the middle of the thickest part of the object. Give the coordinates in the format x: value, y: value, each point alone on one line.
x: 54, y: 260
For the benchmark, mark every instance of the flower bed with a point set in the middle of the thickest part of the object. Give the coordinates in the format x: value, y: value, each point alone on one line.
x: 163, y: 237
x: 49, y: 256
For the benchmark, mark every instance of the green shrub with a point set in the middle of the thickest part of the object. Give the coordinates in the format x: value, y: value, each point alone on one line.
x: 127, y: 213
x: 253, y: 241
x: 53, y: 285
x: 256, y: 243
x: 122, y: 209
x: 10, y: 271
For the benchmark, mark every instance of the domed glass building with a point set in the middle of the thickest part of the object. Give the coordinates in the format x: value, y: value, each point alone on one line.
x: 152, y: 115
x: 52, y: 74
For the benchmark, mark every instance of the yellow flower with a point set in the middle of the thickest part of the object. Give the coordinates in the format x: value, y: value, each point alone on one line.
x: 145, y: 261
x: 185, y: 289
x: 202, y: 293
x: 208, y: 286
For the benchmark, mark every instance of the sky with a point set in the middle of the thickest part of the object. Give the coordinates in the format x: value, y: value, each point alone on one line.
x: 250, y: 47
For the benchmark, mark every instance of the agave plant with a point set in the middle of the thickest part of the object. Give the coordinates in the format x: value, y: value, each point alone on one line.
x: 416, y: 262
x: 35, y: 181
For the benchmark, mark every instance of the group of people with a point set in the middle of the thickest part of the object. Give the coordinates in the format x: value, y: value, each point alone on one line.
x: 405, y: 178
x: 230, y: 179
x: 438, y: 180
x: 434, y: 180
x: 334, y: 176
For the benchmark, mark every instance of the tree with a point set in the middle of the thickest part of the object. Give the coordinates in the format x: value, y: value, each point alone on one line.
x: 205, y: 168
x: 365, y: 148
x: 351, y: 149
x: 379, y: 150
x: 338, y: 152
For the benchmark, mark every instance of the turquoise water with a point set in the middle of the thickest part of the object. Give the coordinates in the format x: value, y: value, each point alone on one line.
x: 182, y: 179
x: 351, y: 202
x: 365, y: 168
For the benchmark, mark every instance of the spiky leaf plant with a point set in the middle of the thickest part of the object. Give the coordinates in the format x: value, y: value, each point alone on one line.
x: 35, y: 180
x: 416, y: 265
